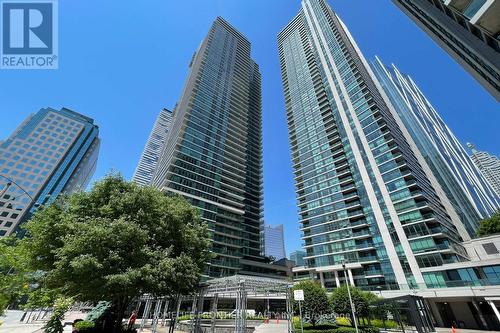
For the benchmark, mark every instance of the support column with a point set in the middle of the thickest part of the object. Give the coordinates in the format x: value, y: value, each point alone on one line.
x: 351, y: 278
x: 156, y: 315
x: 165, y: 310
x: 322, y: 279
x: 145, y: 314
x: 214, y: 312
x: 435, y: 313
x: 337, y: 280
x: 483, y: 325
x: 495, y: 309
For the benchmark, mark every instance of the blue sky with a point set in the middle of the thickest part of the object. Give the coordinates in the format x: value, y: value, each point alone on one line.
x: 121, y: 62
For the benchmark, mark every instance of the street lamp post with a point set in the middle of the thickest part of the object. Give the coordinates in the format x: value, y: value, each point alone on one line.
x: 9, y: 184
x: 353, y: 309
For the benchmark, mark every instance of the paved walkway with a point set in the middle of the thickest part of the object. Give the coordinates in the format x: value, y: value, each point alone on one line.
x: 272, y: 328
x: 461, y: 330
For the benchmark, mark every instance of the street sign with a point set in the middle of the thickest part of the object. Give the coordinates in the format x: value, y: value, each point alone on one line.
x: 298, y: 295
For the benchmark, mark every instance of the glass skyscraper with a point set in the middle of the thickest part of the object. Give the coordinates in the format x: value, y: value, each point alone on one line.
x: 274, y: 242
x: 467, y: 29
x: 51, y: 152
x: 366, y: 194
x: 143, y: 174
x: 213, y: 154
x: 489, y: 166
x: 472, y: 196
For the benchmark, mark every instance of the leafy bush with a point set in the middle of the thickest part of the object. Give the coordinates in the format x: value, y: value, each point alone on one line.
x: 369, y: 329
x: 84, y: 325
x: 343, y: 321
x: 388, y: 323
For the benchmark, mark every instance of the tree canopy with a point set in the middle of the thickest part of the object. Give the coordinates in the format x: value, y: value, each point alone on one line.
x: 315, y: 302
x: 489, y: 226
x: 14, y: 280
x: 116, y: 242
x: 361, y: 299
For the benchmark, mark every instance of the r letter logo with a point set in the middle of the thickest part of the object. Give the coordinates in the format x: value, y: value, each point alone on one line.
x: 29, y: 35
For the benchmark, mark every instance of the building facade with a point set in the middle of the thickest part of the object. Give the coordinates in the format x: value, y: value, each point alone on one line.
x: 298, y: 257
x: 467, y: 29
x: 213, y: 154
x: 366, y: 194
x: 274, y: 241
x: 489, y: 166
x: 143, y: 174
x: 51, y: 152
x: 470, y: 193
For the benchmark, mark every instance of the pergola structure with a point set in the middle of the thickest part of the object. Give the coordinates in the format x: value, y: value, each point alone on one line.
x: 238, y: 287
x: 241, y: 288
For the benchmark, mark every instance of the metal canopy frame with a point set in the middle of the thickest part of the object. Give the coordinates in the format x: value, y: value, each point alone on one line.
x: 237, y: 287
x: 240, y: 288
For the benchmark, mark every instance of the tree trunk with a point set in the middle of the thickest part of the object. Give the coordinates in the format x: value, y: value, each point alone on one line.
x: 119, y: 307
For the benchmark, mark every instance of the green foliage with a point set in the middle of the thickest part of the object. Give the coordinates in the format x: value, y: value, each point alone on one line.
x: 315, y: 302
x: 361, y: 299
x: 117, y: 242
x: 489, y: 226
x: 98, y: 311
x: 54, y: 324
x: 14, y: 279
x: 84, y: 325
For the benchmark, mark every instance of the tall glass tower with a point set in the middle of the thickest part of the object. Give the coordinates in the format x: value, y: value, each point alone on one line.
x: 213, y: 154
x: 274, y: 241
x: 143, y: 174
x: 472, y: 196
x: 51, y: 152
x: 366, y: 195
x: 467, y: 30
x: 489, y: 166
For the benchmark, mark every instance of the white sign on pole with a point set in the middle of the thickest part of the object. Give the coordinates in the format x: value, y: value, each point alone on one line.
x: 298, y: 295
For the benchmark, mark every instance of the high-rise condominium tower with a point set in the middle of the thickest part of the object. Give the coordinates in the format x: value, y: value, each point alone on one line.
x: 365, y: 192
x: 472, y: 196
x: 467, y: 29
x: 51, y: 152
x: 489, y: 166
x: 274, y: 241
x: 213, y: 154
x: 143, y: 174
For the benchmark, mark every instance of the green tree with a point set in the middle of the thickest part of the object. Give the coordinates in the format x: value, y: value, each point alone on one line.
x: 14, y: 280
x: 54, y: 324
x: 315, y: 302
x: 489, y: 226
x: 361, y: 299
x: 117, y: 242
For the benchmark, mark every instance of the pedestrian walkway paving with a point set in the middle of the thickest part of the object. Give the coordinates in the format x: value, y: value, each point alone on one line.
x: 272, y: 328
x: 461, y: 330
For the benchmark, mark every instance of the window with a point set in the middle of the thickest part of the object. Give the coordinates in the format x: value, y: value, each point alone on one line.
x: 490, y: 248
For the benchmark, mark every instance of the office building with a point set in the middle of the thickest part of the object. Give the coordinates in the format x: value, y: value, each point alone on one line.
x: 467, y: 29
x: 489, y: 166
x: 274, y: 241
x: 143, y: 174
x: 366, y: 194
x: 470, y: 193
x: 51, y: 152
x: 213, y: 153
x: 298, y: 258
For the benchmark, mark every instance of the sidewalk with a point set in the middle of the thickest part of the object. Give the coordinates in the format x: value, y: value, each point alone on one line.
x: 461, y: 330
x: 272, y: 328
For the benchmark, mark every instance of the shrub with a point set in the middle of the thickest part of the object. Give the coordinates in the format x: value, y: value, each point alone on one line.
x: 84, y: 326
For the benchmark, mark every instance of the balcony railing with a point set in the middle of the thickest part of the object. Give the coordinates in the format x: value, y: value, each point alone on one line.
x: 437, y: 285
